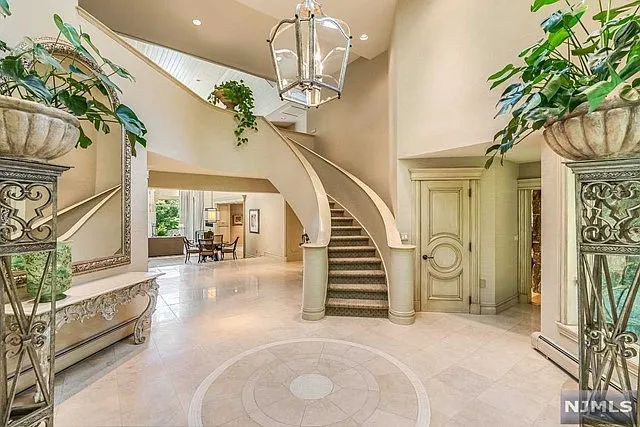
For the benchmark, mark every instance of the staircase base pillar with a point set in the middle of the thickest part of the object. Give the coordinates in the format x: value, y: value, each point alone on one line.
x: 402, y: 318
x: 314, y: 282
x: 401, y: 285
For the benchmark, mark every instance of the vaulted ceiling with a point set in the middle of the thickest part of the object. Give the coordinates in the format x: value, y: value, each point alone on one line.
x: 201, y: 76
x: 234, y: 32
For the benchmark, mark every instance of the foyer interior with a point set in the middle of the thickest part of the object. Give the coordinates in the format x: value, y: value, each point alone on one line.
x: 382, y: 275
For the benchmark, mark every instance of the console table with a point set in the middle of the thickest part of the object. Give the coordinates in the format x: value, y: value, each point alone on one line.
x: 105, y: 299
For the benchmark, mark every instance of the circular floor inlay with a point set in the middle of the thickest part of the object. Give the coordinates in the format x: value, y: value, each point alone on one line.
x: 311, y: 386
x: 310, y: 382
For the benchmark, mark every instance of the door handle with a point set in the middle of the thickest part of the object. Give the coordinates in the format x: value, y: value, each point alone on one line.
x: 426, y: 257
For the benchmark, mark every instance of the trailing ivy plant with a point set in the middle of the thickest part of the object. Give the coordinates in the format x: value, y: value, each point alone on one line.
x: 30, y: 72
x: 568, y: 67
x: 241, y: 96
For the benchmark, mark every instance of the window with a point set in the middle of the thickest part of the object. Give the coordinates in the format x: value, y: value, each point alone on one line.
x: 167, y: 217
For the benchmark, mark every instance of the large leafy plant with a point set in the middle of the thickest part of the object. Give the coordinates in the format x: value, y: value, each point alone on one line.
x: 568, y: 67
x: 241, y: 96
x: 30, y: 72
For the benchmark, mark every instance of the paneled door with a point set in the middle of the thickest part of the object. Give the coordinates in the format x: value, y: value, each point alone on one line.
x: 445, y: 246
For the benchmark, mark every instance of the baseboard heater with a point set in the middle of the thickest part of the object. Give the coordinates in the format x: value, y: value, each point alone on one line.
x: 566, y: 361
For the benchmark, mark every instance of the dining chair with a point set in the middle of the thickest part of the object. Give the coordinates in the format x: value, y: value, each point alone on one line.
x: 189, y: 248
x: 205, y: 249
x: 230, y: 248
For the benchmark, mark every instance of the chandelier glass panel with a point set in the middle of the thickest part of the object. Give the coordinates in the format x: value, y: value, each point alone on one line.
x: 310, y: 53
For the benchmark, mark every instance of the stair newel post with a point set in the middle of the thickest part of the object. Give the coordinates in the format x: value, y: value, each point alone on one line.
x: 314, y: 282
x: 401, y: 284
x: 28, y: 196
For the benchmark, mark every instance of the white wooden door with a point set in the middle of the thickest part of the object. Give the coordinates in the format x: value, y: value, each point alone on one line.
x: 445, y: 246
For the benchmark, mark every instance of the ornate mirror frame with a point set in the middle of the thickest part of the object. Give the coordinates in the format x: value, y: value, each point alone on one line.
x: 65, y: 50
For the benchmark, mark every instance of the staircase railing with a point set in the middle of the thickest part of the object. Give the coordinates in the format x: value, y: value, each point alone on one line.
x: 372, y: 213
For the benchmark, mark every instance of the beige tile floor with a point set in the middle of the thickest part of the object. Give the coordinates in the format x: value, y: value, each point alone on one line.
x: 477, y: 370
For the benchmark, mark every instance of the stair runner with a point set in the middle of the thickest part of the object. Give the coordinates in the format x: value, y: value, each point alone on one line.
x: 357, y: 281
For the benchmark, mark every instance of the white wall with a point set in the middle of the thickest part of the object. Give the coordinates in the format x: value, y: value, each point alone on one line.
x: 294, y: 232
x: 557, y: 268
x: 442, y: 53
x: 440, y: 100
x: 506, y: 233
x: 271, y: 240
x: 353, y: 132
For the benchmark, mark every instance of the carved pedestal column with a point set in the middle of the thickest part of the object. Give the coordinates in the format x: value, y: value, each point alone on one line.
x: 608, y: 236
x: 27, y: 224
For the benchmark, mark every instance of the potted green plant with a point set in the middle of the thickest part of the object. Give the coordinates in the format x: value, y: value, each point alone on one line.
x: 580, y: 86
x: 238, y: 97
x: 42, y: 101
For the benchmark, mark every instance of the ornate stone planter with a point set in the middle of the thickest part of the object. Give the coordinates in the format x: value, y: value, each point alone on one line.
x: 612, y: 130
x: 35, y: 131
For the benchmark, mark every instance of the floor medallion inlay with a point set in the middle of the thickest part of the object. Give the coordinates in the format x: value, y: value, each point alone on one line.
x: 311, y: 387
x: 309, y: 382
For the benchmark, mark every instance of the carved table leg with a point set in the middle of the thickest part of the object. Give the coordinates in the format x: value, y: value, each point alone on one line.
x: 143, y: 324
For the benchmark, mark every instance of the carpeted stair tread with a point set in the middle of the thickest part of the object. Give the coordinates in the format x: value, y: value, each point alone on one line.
x: 357, y: 283
x: 356, y: 273
x: 363, y: 260
x: 341, y: 218
x: 358, y: 287
x: 352, y: 249
x: 356, y: 238
x: 372, y: 304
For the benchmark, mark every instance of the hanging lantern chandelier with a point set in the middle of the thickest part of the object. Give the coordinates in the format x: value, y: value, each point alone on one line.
x: 310, y: 54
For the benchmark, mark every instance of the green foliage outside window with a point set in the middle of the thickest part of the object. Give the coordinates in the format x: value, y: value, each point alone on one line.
x: 167, y: 216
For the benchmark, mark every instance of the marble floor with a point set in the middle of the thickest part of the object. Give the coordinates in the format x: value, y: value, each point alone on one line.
x: 229, y: 348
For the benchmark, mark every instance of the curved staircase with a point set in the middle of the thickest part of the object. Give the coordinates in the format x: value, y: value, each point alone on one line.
x: 357, y: 280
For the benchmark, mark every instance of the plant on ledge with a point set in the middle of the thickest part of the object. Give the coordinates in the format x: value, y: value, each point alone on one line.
x: 31, y: 73
x: 572, y: 73
x: 238, y: 97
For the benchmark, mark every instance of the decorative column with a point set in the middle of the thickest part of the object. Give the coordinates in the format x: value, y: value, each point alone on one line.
x: 28, y: 206
x: 608, y: 236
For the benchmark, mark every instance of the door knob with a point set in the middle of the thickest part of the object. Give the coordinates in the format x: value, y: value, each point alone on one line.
x: 426, y: 257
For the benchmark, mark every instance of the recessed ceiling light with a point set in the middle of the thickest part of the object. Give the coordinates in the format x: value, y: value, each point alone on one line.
x: 197, y: 22
x: 279, y: 58
x: 364, y: 37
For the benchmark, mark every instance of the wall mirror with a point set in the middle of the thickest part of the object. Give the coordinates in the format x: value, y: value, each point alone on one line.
x: 94, y: 196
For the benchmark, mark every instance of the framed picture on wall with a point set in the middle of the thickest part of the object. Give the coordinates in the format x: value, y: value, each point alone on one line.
x: 254, y: 221
x: 237, y: 220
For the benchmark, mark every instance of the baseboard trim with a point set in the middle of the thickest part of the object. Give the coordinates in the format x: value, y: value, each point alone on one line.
x: 267, y: 255
x: 500, y: 307
x: 475, y: 309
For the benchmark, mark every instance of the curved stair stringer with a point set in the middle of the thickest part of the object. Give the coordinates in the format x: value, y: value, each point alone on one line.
x: 184, y: 127
x: 96, y: 233
x: 378, y: 222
